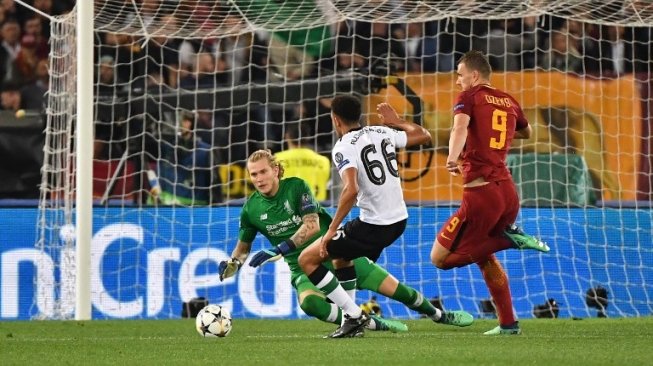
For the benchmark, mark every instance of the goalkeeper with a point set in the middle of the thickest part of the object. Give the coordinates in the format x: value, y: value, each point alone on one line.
x: 287, y: 214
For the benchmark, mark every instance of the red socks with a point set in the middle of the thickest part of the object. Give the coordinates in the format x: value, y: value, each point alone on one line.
x: 497, y: 282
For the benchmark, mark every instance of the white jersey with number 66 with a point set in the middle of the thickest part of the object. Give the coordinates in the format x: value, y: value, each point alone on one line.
x: 372, y: 151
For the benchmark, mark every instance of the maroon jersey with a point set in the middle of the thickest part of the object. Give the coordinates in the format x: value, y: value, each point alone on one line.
x: 494, y: 117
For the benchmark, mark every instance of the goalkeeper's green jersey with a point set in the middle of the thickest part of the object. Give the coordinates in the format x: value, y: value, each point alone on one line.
x: 280, y: 216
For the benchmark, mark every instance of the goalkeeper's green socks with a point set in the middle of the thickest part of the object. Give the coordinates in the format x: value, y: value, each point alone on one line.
x: 416, y: 301
x: 317, y: 307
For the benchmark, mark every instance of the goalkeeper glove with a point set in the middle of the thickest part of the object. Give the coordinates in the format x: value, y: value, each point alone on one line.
x: 229, y: 268
x: 265, y: 255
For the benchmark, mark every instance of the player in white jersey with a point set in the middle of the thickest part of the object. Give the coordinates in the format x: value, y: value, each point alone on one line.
x: 366, y: 158
x: 371, y: 150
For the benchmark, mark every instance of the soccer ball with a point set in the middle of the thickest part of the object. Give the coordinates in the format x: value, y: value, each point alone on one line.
x: 213, y: 321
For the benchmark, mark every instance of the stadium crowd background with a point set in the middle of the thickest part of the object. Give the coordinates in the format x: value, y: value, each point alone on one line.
x: 127, y: 66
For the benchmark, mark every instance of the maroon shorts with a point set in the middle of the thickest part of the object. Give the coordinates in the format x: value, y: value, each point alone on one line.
x: 482, y: 217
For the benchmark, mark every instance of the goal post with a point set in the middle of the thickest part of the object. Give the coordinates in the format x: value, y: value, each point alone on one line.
x: 84, y: 162
x: 141, y: 227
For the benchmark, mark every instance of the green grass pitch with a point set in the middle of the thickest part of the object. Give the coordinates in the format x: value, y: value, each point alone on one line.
x: 299, y: 342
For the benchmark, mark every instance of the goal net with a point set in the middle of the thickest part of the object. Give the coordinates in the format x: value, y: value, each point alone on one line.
x: 184, y: 91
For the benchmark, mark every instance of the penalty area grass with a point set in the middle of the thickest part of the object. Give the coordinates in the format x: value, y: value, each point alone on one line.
x: 623, y: 341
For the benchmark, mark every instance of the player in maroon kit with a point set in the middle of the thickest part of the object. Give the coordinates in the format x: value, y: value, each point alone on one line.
x: 485, y: 122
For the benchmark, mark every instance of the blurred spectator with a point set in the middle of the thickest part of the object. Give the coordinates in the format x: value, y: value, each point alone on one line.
x: 421, y: 49
x: 204, y: 126
x: 188, y: 49
x: 34, y: 26
x: 10, y: 33
x: 317, y: 115
x: 10, y: 10
x: 346, y: 58
x: 501, y: 48
x: 26, y: 60
x: 608, y: 53
x: 229, y: 132
x: 234, y: 52
x: 47, y: 7
x: 456, y: 36
x: 207, y: 73
x: 206, y: 16
x: 294, y: 54
x: 642, y: 38
x: 110, y: 111
x: 124, y: 52
x: 412, y: 44
x: 563, y: 54
x: 155, y: 83
x: 370, y: 45
x: 149, y: 10
x: 299, y: 160
x: 244, y: 54
x: 106, y: 146
x: 432, y: 58
x: 575, y: 30
x: 10, y: 98
x: 62, y: 6
x: 526, y: 29
x: 5, y: 65
x: 33, y: 93
x: 44, y: 6
x: 187, y: 168
x: 108, y: 82
x: 8, y: 6
x: 161, y: 53
x: 258, y: 59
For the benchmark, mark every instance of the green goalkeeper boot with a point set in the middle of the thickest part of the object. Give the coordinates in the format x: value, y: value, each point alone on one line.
x: 521, y: 240
x: 388, y: 325
x: 499, y: 330
x: 458, y: 318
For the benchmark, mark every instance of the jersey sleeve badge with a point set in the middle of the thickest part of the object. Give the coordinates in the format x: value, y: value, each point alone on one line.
x: 307, y: 203
x: 340, y: 160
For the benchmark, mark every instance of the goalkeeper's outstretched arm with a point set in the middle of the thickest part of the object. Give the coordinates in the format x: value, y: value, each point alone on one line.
x: 229, y: 268
x: 241, y: 251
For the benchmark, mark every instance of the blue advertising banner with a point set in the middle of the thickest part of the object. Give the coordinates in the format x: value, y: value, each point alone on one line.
x: 146, y: 262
